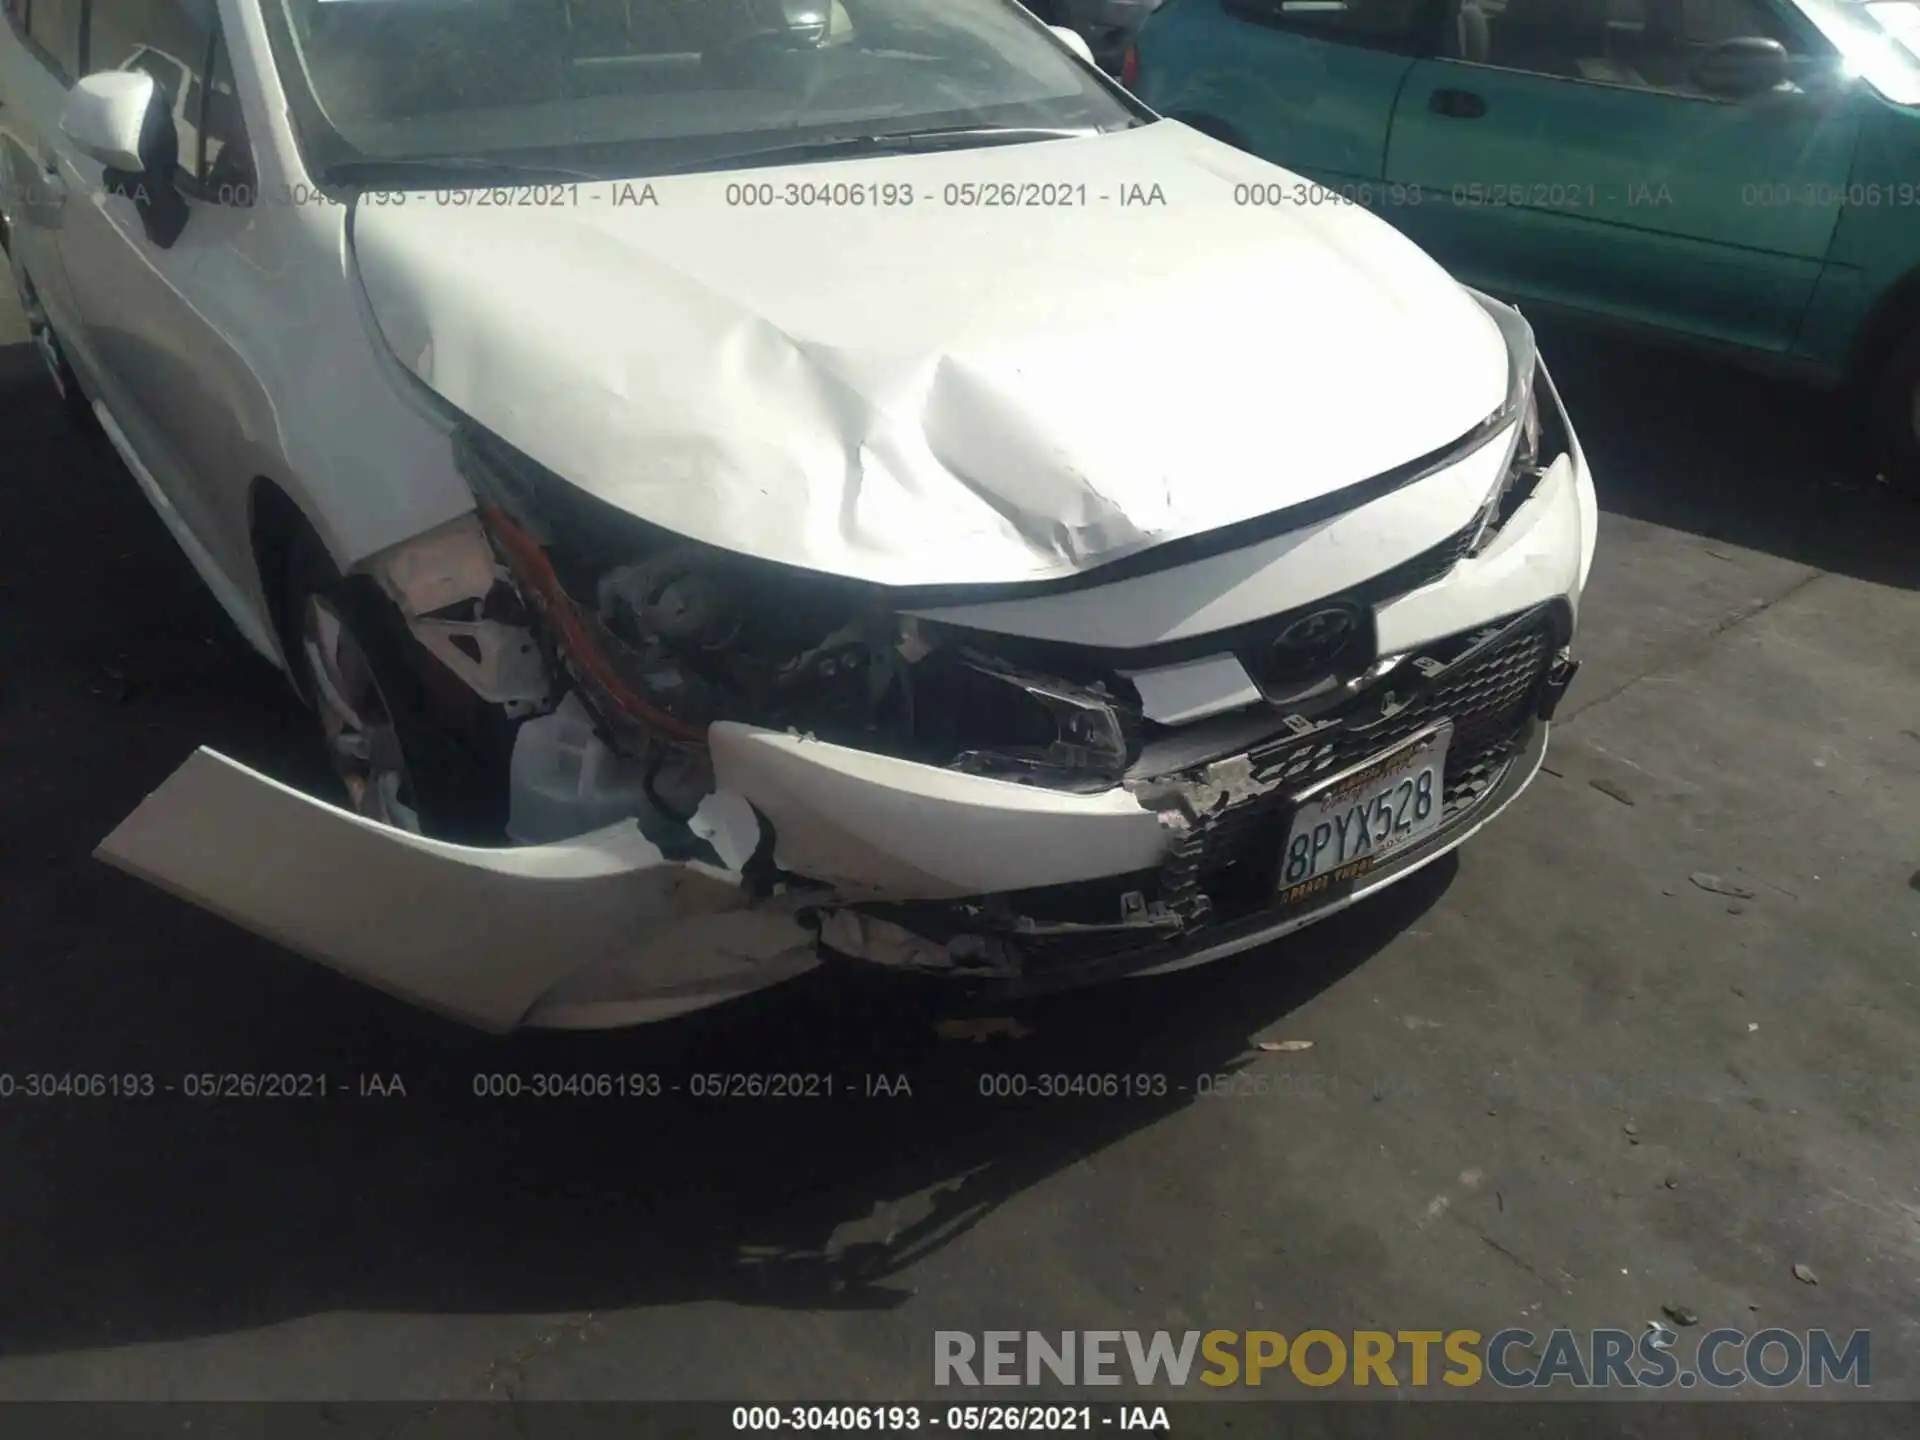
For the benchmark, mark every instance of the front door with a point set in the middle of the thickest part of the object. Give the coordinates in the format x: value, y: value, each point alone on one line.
x: 1308, y: 84
x: 1569, y: 151
x: 148, y: 296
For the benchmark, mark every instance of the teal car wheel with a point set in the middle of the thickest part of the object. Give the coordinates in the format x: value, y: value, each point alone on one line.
x: 1897, y: 407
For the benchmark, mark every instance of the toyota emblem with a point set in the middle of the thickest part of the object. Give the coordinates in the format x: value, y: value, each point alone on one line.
x: 1312, y: 644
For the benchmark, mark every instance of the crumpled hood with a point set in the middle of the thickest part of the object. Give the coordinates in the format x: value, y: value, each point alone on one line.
x: 941, y: 392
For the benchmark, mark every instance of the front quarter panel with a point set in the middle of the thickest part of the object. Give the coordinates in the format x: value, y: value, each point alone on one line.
x: 312, y: 408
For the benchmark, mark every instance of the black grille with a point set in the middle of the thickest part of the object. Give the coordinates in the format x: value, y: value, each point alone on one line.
x: 1490, y: 690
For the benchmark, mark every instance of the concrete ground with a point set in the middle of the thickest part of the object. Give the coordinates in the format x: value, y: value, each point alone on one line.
x: 1555, y: 1082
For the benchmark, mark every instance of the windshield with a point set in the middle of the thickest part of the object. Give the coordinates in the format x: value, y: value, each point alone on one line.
x: 1878, y: 40
x: 632, y: 87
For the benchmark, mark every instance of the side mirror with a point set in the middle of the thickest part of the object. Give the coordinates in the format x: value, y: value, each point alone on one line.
x: 107, y: 116
x: 1074, y: 41
x: 1741, y: 67
x: 808, y: 22
x: 121, y: 118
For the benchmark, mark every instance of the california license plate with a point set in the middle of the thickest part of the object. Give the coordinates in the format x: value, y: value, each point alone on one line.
x: 1346, y: 825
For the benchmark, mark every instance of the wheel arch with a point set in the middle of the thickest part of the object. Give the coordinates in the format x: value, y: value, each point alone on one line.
x: 1894, y: 316
x: 276, y: 525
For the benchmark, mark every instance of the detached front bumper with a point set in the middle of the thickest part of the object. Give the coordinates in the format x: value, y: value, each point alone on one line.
x: 886, y: 861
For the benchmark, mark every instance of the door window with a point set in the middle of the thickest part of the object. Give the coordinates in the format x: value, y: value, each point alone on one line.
x: 1397, y: 25
x: 178, y: 43
x: 1642, y: 44
x: 53, y: 29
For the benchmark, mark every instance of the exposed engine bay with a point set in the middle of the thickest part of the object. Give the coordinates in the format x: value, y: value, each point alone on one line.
x: 666, y: 637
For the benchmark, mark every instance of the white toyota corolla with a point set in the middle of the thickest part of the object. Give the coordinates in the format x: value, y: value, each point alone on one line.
x: 739, y: 483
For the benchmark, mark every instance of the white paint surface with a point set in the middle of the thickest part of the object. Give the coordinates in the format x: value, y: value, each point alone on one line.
x: 943, y: 394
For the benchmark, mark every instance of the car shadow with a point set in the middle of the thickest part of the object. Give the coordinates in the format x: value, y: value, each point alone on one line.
x: 170, y: 1215
x: 403, y: 1190
x: 1693, y: 444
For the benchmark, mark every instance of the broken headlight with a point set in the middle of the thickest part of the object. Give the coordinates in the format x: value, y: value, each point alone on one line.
x: 664, y: 637
x: 712, y: 637
x: 1532, y: 446
x: 1518, y: 477
x: 982, y: 715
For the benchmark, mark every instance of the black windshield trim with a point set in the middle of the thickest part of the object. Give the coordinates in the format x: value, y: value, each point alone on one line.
x: 482, y: 445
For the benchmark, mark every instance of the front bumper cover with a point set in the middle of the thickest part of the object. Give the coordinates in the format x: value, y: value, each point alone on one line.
x: 1262, y: 927
x: 1216, y: 890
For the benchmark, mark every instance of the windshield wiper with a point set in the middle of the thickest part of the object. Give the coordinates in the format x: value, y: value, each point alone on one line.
x: 830, y: 147
x: 452, y: 169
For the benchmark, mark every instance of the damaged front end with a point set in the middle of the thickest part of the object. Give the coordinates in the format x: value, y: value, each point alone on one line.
x: 1226, y: 806
x: 724, y: 769
x: 712, y: 758
x: 663, y: 639
x: 709, y: 675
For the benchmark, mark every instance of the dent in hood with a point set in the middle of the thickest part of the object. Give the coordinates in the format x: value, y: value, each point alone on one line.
x: 937, y: 393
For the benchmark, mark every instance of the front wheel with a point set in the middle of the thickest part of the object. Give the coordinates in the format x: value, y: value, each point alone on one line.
x: 403, y: 756
x: 1896, y: 406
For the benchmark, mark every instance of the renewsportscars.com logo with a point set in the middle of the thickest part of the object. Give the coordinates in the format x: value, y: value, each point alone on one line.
x: 1511, y: 1359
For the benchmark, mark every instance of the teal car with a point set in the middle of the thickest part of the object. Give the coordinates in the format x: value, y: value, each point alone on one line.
x: 1743, y: 174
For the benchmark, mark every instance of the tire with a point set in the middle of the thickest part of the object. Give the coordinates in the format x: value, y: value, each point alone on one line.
x: 435, y: 756
x: 1896, y: 417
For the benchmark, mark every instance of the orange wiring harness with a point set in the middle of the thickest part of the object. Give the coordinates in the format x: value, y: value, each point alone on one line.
x: 535, y: 571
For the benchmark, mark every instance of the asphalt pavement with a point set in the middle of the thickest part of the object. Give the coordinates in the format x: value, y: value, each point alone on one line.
x: 1558, y: 1080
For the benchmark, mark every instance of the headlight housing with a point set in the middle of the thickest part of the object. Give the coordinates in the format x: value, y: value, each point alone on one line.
x: 664, y: 637
x: 1536, y: 440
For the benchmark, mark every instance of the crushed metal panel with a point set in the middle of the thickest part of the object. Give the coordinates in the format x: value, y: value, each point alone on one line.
x: 881, y: 942
x: 730, y: 395
x: 500, y: 663
x: 478, y: 934
x: 452, y: 566
x: 443, y: 567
